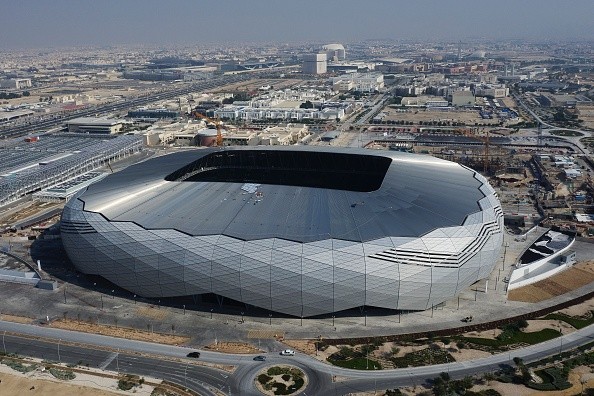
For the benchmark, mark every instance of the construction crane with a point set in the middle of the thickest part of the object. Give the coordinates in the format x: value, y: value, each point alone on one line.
x: 486, y: 144
x: 217, y: 123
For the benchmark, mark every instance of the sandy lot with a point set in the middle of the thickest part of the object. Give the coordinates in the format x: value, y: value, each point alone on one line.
x: 14, y: 383
x: 233, y: 347
x: 113, y: 331
x: 582, y: 309
x: 416, y: 115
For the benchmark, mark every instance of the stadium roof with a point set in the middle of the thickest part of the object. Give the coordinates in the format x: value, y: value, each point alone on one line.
x: 322, y: 193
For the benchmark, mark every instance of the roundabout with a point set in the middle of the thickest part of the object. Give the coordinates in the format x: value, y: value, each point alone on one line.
x: 281, y: 380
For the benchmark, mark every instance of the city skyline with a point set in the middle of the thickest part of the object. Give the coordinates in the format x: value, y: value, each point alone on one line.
x: 65, y: 23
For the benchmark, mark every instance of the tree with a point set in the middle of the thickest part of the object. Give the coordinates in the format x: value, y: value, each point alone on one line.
x: 306, y: 105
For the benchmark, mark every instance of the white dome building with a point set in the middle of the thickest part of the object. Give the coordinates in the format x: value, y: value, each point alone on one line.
x: 334, y: 52
x: 299, y: 230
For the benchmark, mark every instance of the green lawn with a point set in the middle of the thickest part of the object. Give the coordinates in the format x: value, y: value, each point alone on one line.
x: 518, y: 337
x: 576, y: 322
x: 357, y: 364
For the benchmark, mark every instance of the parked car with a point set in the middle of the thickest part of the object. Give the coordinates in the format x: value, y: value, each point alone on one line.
x: 288, y: 352
x: 260, y: 358
x: 194, y: 355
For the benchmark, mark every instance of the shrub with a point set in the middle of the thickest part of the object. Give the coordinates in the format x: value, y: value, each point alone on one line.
x: 65, y: 375
x: 263, y: 378
x: 286, y: 377
x: 21, y: 368
x: 276, y: 370
x: 129, y: 381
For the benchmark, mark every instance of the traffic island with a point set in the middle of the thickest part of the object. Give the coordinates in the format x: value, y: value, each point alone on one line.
x: 281, y: 380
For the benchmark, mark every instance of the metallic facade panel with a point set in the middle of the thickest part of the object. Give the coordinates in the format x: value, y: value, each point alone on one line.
x: 431, y: 229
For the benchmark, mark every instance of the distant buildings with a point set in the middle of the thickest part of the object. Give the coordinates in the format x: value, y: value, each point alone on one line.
x: 153, y: 113
x: 314, y: 64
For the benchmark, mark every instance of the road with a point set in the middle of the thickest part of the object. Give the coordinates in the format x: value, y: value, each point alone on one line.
x: 142, y: 358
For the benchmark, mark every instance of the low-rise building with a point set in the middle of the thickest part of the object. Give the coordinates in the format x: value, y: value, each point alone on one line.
x: 95, y: 125
x: 16, y: 83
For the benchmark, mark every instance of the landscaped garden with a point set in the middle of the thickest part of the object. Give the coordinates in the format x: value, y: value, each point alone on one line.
x: 281, y: 380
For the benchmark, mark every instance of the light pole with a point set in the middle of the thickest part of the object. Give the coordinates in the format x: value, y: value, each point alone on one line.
x: 135, y: 299
x: 211, y: 313
x: 560, y: 338
x: 241, y: 316
x: 64, y: 294
x: 270, y: 317
x: 59, y: 358
x: 112, y: 294
x: 4, y: 345
x: 184, y: 308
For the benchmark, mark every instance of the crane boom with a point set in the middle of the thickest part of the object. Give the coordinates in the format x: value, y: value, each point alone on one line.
x: 217, y: 123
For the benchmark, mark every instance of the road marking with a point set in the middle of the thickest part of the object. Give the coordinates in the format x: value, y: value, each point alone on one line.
x: 107, y: 361
x: 223, y: 375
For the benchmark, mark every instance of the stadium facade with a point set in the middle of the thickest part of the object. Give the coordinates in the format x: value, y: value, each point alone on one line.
x: 298, y: 230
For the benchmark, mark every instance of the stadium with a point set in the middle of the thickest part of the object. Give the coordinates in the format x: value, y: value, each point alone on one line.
x: 302, y: 231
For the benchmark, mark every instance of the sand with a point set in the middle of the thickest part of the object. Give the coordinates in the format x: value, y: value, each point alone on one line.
x: 37, y: 382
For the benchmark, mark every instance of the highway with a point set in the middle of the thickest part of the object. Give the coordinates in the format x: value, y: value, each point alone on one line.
x: 142, y: 358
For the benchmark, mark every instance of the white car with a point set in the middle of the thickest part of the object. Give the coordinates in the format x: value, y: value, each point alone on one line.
x: 288, y: 352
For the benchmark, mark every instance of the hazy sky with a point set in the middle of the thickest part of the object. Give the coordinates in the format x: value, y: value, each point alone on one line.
x: 58, y: 23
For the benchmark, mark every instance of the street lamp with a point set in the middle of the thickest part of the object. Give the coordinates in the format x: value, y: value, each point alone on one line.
x: 270, y: 317
x: 211, y: 313
x: 135, y: 299
x: 112, y: 294
x: 184, y: 308
x: 241, y: 316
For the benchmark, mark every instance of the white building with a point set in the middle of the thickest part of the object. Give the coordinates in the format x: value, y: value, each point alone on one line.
x: 494, y: 91
x: 314, y: 64
x: 364, y: 82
